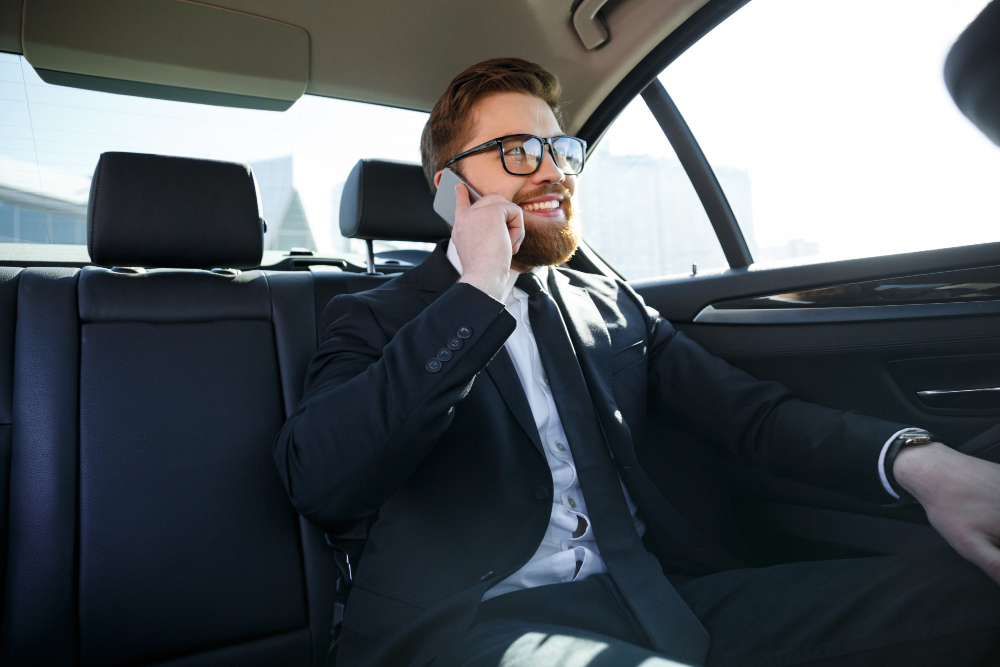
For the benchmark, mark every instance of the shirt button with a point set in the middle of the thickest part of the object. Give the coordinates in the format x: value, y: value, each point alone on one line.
x: 464, y: 332
x: 561, y: 447
x: 433, y: 365
x: 455, y: 344
x: 572, y: 503
x: 540, y: 494
x: 546, y: 380
x: 444, y: 354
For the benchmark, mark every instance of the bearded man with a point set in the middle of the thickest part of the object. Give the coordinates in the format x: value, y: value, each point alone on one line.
x: 491, y: 410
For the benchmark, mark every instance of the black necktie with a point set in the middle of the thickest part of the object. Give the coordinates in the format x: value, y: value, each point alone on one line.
x: 669, y: 624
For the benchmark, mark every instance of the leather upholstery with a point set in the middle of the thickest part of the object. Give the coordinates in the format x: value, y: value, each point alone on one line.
x: 389, y: 201
x: 148, y: 522
x: 158, y: 211
x: 187, y: 541
x: 171, y: 296
x: 40, y: 619
x: 972, y: 72
x: 8, y: 316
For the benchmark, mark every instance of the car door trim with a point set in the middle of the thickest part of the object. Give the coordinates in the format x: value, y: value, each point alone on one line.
x: 711, y: 315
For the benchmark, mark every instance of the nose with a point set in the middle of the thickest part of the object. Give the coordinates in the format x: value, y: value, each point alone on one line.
x: 549, y: 171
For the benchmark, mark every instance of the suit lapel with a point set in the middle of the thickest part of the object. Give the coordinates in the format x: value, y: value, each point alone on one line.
x: 508, y: 383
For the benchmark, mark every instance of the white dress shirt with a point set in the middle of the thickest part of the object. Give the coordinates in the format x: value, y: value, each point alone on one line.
x: 557, y: 557
x: 564, y: 555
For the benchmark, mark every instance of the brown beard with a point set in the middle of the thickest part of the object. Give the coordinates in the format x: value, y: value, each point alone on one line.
x: 548, y: 243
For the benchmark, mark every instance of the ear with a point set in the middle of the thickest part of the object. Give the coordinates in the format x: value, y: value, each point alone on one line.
x: 437, y: 178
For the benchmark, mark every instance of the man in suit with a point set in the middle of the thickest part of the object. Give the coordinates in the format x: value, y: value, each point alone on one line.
x: 492, y: 412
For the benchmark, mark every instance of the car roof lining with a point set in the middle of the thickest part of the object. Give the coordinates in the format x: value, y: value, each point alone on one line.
x: 400, y: 54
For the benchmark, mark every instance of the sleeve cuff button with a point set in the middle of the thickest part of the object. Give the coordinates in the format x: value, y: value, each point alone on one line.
x: 455, y: 344
x: 433, y: 366
x: 464, y: 332
x: 444, y: 354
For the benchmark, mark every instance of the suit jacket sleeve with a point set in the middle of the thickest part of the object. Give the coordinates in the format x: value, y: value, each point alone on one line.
x: 762, y: 422
x: 371, y: 410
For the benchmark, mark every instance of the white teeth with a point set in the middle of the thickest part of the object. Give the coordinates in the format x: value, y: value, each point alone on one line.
x: 542, y: 206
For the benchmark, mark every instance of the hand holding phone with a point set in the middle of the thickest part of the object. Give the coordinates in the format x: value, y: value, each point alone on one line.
x: 444, y: 200
x: 487, y: 233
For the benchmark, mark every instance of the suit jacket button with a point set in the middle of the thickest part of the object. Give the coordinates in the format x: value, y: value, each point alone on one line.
x: 455, y: 344
x: 464, y: 332
x: 433, y: 365
x: 444, y: 354
x: 540, y: 494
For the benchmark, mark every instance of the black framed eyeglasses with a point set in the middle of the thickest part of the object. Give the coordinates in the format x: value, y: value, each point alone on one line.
x: 522, y: 154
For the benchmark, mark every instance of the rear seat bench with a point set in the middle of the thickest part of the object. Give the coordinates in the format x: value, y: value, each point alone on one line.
x: 147, y: 521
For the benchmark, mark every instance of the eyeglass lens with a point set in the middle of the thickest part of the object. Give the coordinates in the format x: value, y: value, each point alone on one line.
x: 522, y: 154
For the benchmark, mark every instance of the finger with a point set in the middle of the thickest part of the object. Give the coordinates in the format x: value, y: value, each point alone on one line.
x: 461, y: 199
x: 515, y: 226
x: 982, y: 551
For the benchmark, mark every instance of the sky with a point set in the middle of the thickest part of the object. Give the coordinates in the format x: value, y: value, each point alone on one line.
x: 836, y: 109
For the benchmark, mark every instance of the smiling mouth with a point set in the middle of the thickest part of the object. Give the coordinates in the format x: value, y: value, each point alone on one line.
x: 542, y: 206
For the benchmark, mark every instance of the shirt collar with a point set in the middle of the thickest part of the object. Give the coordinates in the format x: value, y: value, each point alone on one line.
x: 453, y: 257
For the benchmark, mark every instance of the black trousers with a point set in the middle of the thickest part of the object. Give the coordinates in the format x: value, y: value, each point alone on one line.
x: 929, y: 609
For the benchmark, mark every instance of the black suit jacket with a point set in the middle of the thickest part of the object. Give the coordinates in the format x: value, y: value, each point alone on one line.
x: 453, y: 463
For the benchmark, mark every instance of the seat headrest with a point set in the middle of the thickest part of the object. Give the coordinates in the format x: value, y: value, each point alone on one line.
x: 173, y: 212
x: 389, y: 201
x: 972, y: 71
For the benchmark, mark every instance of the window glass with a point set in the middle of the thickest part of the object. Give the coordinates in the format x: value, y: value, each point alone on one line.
x: 638, y: 209
x: 837, y: 112
x: 51, y: 138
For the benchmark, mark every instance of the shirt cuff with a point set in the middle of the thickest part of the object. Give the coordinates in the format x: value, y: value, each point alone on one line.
x: 885, y: 449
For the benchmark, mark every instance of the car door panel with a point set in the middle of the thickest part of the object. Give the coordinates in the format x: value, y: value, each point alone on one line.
x: 874, y: 362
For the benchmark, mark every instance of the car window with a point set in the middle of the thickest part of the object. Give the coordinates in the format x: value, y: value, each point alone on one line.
x: 51, y: 138
x: 637, y: 207
x: 837, y: 113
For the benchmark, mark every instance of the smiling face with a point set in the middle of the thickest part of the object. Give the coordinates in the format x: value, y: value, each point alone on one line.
x: 545, y: 197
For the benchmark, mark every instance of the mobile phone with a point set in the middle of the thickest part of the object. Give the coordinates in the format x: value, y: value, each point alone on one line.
x: 444, y: 200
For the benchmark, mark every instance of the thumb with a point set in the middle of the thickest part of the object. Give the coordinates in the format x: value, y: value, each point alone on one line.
x: 461, y: 199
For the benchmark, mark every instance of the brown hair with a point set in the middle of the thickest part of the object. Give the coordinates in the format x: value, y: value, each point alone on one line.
x: 448, y: 126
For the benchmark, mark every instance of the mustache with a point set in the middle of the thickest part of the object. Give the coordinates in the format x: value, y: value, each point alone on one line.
x: 550, y: 189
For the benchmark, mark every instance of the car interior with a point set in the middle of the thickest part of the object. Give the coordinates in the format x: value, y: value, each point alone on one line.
x: 146, y: 370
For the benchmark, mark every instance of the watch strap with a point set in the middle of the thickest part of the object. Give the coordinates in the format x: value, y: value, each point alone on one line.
x: 900, y: 443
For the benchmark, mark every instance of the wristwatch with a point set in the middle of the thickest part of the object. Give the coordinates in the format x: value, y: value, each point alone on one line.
x: 897, y: 445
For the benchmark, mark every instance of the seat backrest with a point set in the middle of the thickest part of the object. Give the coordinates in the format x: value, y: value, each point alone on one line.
x: 147, y: 520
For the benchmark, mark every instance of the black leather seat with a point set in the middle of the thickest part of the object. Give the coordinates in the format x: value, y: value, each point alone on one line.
x: 147, y: 521
x: 8, y: 316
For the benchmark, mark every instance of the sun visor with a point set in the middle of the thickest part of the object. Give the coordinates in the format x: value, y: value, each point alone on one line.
x: 167, y: 49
